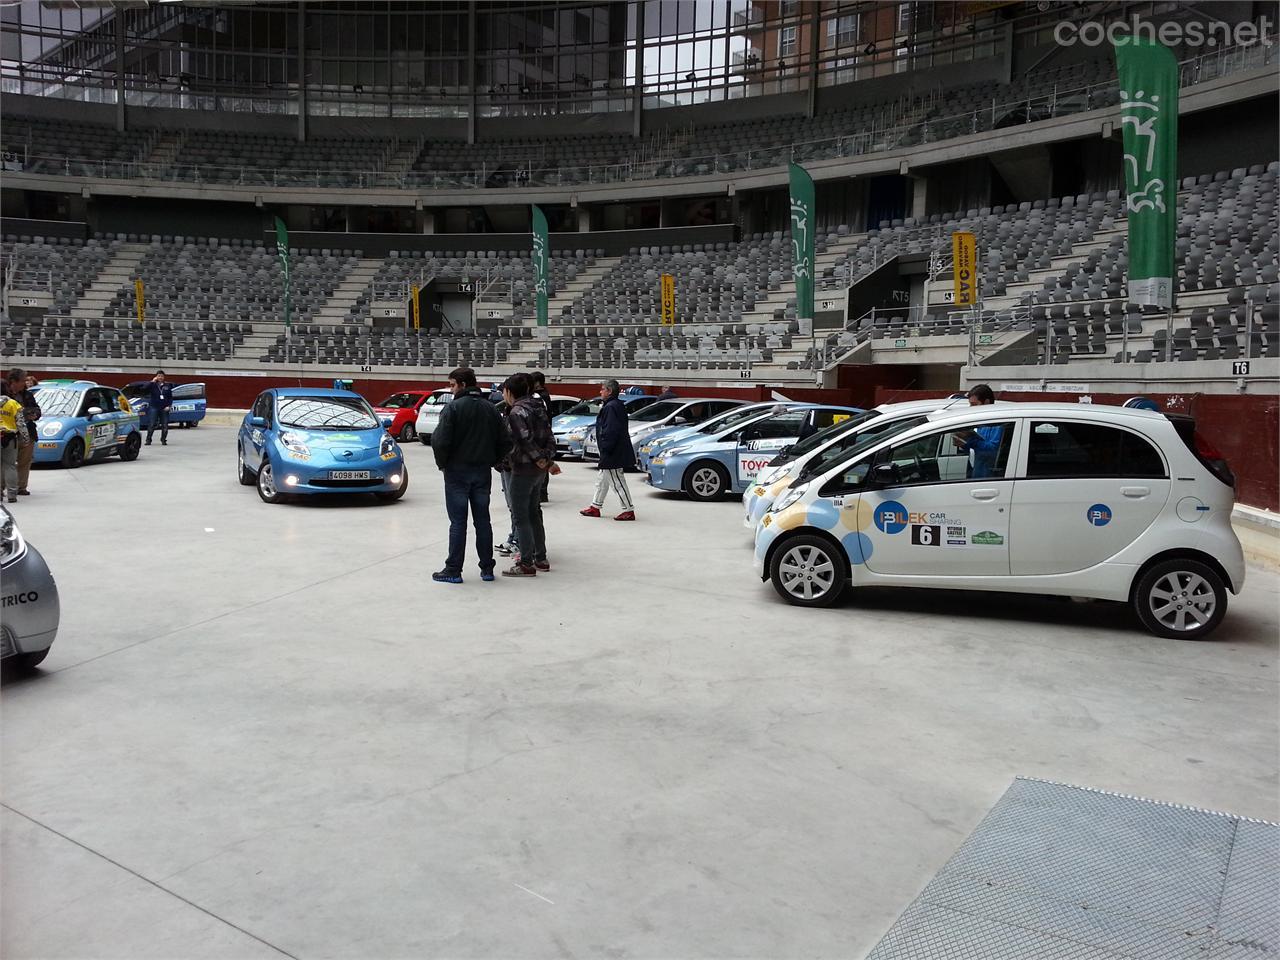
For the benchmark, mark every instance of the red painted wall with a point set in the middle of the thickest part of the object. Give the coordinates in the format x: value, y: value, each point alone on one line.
x: 1244, y: 428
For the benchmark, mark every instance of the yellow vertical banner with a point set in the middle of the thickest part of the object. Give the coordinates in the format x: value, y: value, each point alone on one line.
x: 668, y: 300
x: 964, y: 256
x: 417, y: 309
x: 140, y: 299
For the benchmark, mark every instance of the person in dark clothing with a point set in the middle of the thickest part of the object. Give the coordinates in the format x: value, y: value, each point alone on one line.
x: 532, y: 456
x: 467, y: 442
x: 616, y: 453
x: 19, y: 386
x: 159, y: 400
x: 540, y: 391
x: 667, y: 394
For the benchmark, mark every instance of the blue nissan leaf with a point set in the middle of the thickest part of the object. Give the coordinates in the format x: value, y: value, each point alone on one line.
x: 304, y: 440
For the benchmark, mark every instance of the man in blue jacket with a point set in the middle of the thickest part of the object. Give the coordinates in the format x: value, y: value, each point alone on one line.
x: 159, y: 399
x: 614, y: 440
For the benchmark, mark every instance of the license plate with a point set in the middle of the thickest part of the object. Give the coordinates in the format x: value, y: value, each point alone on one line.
x: 348, y: 474
x: 184, y: 406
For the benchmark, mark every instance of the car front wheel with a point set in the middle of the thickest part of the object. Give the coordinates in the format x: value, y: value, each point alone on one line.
x: 244, y: 474
x: 131, y: 447
x: 408, y: 433
x: 706, y: 481
x: 393, y: 495
x: 1180, y: 599
x: 73, y: 455
x: 267, y: 484
x: 808, y: 571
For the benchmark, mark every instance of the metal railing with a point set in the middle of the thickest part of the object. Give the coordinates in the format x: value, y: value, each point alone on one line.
x: 1000, y: 113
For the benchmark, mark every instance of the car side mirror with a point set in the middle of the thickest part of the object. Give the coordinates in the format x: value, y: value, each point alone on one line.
x: 94, y: 411
x: 885, y: 475
x: 257, y: 421
x: 782, y: 451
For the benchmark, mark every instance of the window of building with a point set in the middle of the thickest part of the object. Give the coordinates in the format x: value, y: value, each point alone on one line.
x: 788, y: 41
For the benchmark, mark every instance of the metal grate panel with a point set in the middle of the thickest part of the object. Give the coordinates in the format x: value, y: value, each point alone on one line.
x: 1056, y: 872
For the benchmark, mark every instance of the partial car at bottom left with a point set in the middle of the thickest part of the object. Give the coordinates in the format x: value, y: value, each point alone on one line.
x: 299, y: 441
x: 29, y: 610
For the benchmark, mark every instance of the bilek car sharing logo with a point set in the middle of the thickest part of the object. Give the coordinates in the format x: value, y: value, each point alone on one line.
x: 1099, y: 515
x: 890, y: 517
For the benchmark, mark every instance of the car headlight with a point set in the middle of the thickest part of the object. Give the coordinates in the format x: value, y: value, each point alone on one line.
x: 388, y: 445
x: 295, y: 445
x: 12, y: 546
x: 577, y: 434
x: 51, y: 429
x: 772, y: 475
x: 789, y: 497
x: 675, y: 452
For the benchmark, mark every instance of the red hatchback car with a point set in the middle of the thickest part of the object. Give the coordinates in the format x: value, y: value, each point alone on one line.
x: 399, y: 413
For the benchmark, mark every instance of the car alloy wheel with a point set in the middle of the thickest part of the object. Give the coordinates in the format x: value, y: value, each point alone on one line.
x: 808, y: 571
x: 132, y: 447
x: 408, y: 433
x: 267, y: 484
x: 705, y: 481
x: 242, y: 472
x: 1182, y: 599
x: 73, y: 456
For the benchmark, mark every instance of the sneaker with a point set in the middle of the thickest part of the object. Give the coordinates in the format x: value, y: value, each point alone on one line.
x: 488, y: 576
x: 520, y: 570
x: 626, y: 515
x: 592, y: 511
x: 148, y: 443
x: 444, y: 576
x: 24, y: 493
x: 13, y: 499
x: 506, y: 549
x: 542, y: 565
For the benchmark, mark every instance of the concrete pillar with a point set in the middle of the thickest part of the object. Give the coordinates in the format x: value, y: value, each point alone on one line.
x: 471, y: 72
x: 637, y: 95
x: 811, y: 102
x: 302, y: 72
x: 584, y: 220
x: 919, y: 196
x: 428, y: 221
x: 119, y: 25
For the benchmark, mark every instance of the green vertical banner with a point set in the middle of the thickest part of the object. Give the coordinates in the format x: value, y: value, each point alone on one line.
x: 282, y: 250
x: 1149, y: 122
x: 541, y: 264
x: 802, y: 244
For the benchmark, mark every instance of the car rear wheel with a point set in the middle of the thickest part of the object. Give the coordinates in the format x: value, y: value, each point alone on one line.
x: 408, y: 433
x: 267, y: 484
x: 394, y: 495
x: 29, y: 661
x: 73, y: 455
x: 1180, y: 599
x: 706, y: 481
x: 244, y: 474
x: 131, y: 447
x: 808, y: 571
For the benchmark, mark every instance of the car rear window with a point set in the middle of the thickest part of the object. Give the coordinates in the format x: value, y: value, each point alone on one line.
x: 1068, y: 448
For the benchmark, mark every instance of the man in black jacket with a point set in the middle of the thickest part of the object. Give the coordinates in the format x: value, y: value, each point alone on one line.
x: 616, y: 454
x: 540, y: 391
x: 533, y: 451
x: 469, y: 439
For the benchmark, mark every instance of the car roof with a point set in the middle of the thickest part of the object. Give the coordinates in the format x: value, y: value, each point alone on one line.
x: 1042, y: 408
x: 312, y: 392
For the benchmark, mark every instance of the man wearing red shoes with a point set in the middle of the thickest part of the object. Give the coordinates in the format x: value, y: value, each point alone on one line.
x: 614, y: 441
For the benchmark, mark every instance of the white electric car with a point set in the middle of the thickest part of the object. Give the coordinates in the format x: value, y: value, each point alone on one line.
x: 1046, y: 498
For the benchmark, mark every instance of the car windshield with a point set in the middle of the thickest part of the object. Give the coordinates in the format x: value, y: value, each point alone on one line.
x: 397, y: 400
x: 658, y: 411
x: 59, y: 402
x: 814, y: 441
x: 587, y: 408
x: 731, y: 417
x: 133, y: 390
x: 326, y: 413
x: 867, y: 438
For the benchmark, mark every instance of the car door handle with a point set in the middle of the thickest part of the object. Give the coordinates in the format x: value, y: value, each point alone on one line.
x: 1136, y: 493
x: 984, y: 493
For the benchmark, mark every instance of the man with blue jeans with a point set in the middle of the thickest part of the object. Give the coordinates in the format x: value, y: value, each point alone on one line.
x: 469, y: 439
x: 159, y: 400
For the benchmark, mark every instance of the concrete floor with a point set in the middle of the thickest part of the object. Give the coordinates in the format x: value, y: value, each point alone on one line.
x: 263, y: 731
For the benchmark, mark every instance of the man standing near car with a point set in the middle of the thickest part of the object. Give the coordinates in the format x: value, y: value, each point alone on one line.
x: 984, y: 442
x: 614, y: 441
x: 469, y: 439
x: 540, y: 391
x: 19, y: 387
x: 159, y: 400
x: 533, y: 451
